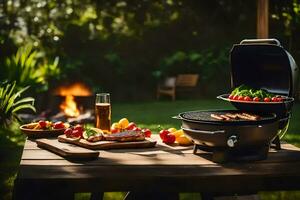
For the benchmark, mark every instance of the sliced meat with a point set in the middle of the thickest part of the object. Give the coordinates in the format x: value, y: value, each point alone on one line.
x: 126, y: 136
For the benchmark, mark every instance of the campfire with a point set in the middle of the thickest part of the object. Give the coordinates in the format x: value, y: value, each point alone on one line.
x: 72, y: 103
x: 69, y: 106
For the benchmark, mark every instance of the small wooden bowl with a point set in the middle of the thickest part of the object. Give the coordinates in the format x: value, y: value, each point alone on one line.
x: 41, y: 133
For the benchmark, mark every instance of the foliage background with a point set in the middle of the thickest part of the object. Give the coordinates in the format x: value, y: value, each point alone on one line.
x: 124, y: 46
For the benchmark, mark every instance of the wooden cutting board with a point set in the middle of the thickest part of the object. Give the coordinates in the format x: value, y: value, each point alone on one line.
x: 66, y: 150
x: 101, y: 145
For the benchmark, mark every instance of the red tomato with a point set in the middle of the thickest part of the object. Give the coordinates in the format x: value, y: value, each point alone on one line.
x: 131, y: 126
x: 58, y: 125
x: 78, y: 127
x: 230, y: 96
x: 42, y: 124
x: 274, y: 99
x: 267, y: 99
x: 68, y: 132
x: 236, y: 97
x: 147, y: 132
x: 169, y: 138
x: 256, y: 99
x: 163, y: 133
x: 77, y: 133
x: 136, y: 129
x: 114, y: 130
x: 279, y: 99
x: 247, y: 98
x: 241, y: 98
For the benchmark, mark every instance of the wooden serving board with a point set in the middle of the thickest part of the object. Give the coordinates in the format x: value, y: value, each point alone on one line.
x: 66, y: 150
x: 101, y: 145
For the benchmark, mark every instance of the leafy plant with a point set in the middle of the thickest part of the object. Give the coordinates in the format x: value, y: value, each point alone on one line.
x: 26, y: 69
x: 11, y: 103
x: 207, y: 63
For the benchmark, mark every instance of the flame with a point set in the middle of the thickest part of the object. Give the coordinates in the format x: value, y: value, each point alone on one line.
x: 69, y: 107
x: 76, y: 89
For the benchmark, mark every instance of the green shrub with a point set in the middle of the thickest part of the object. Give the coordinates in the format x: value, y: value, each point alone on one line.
x: 27, y: 68
x: 207, y: 63
x: 11, y: 103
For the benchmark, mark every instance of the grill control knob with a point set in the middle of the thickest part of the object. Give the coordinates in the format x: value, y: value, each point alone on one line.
x: 232, y: 140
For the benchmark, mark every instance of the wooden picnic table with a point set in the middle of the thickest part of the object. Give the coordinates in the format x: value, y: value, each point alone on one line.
x: 43, y: 174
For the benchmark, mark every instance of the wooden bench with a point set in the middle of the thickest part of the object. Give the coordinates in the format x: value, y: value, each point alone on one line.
x: 183, y: 82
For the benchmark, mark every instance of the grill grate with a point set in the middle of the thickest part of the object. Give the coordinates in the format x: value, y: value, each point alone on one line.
x: 205, y: 116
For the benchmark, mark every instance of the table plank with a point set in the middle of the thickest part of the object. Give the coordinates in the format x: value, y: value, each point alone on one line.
x: 208, y: 178
x: 173, y: 167
x: 159, y: 155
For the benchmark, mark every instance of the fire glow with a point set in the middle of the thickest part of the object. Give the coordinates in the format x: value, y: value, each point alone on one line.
x: 69, y: 105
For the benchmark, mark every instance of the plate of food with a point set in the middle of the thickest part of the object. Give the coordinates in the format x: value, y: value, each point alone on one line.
x: 245, y: 94
x: 44, y: 129
x: 96, y: 139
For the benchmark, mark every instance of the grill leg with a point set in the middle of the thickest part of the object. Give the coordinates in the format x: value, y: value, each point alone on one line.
x: 195, y: 149
x: 276, y: 142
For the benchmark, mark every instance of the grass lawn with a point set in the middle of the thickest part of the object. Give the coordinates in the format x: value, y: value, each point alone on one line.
x: 146, y: 114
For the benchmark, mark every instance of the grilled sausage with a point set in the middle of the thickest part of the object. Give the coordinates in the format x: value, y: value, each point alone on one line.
x: 232, y: 116
x: 218, y: 117
x: 225, y: 117
x: 251, y: 116
x: 241, y: 116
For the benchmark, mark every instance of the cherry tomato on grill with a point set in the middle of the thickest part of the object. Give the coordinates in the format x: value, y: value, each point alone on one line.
x: 235, y: 97
x: 241, y: 98
x: 279, y: 99
x: 247, y: 98
x: 267, y: 99
x: 274, y: 99
x: 257, y: 99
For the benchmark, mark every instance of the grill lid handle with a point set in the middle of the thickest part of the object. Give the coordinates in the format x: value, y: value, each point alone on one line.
x: 261, y: 41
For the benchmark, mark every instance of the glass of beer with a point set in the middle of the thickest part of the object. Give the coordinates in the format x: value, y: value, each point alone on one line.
x: 103, y: 112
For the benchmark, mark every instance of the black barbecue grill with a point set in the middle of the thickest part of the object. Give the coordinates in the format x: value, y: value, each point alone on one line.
x: 261, y: 64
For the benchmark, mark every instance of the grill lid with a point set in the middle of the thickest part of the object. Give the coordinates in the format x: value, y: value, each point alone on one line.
x: 263, y: 64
